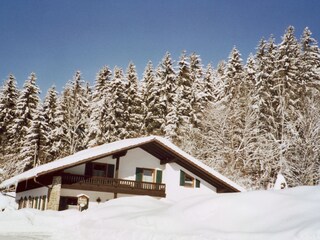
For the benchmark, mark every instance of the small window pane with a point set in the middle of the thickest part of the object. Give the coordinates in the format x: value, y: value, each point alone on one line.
x: 188, y: 181
x: 99, y: 170
x: 147, y: 175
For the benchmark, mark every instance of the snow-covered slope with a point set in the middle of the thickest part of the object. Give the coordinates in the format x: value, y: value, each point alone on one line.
x: 266, y: 215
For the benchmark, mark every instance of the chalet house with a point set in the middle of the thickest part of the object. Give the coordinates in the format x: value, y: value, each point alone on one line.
x: 141, y: 166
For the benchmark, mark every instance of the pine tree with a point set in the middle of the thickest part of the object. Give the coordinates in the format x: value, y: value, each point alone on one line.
x: 134, y: 103
x: 287, y: 97
x: 250, y: 72
x: 218, y: 81
x: 99, y: 107
x: 49, y: 117
x: 238, y: 118
x: 117, y: 113
x: 168, y: 97
x: 304, y: 154
x: 234, y: 76
x: 27, y: 105
x: 261, y: 149
x: 36, y: 139
x: 73, y: 116
x: 208, y: 85
x: 8, y: 101
x: 27, y: 112
x: 196, y: 76
x: 185, y: 95
x: 264, y: 88
x: 309, y: 64
x: 151, y: 102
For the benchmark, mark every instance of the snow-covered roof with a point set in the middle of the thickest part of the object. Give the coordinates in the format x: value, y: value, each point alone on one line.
x: 109, y: 149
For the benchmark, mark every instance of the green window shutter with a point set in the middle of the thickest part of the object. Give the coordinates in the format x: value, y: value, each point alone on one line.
x: 139, y: 174
x: 182, y: 177
x: 159, y: 176
x: 197, y: 183
x: 110, y: 170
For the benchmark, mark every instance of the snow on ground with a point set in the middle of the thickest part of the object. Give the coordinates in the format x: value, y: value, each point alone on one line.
x: 283, y: 214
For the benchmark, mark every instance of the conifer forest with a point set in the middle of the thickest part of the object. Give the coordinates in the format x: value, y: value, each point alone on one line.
x: 248, y: 119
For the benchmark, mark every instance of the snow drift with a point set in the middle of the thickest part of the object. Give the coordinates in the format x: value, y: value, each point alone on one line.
x: 284, y: 214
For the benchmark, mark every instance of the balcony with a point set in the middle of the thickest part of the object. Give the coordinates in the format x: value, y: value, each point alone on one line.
x: 103, y: 184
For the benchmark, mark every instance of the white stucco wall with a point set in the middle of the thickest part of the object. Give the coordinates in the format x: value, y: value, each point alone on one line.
x: 79, y: 170
x: 173, y: 189
x: 137, y: 158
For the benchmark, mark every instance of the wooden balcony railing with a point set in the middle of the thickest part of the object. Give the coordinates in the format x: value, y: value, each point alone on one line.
x: 113, y: 185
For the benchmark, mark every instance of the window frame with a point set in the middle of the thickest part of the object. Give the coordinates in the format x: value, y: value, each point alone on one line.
x: 140, y: 170
x: 152, y: 172
x: 90, y: 169
x: 192, y: 183
x: 186, y: 183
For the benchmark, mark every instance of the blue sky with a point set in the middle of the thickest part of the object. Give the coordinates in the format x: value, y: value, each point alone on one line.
x: 57, y: 37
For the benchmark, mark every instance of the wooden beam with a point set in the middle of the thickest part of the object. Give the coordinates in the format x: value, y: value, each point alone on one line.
x: 167, y: 160
x: 119, y: 154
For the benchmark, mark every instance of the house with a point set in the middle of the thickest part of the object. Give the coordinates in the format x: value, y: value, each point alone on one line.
x: 140, y: 166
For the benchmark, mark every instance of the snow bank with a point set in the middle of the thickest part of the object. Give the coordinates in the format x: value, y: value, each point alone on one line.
x: 267, y: 215
x: 7, y: 202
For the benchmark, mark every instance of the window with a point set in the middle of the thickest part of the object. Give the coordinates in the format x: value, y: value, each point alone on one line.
x: 99, y: 170
x: 146, y: 175
x: 188, y: 181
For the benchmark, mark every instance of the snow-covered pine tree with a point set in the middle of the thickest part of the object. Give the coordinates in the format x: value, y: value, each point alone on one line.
x: 27, y: 105
x: 73, y: 116
x: 33, y: 152
x: 117, y: 113
x: 8, y: 102
x: 134, y: 103
x: 218, y: 81
x: 168, y: 97
x: 196, y: 76
x: 261, y: 149
x: 234, y: 75
x: 305, y: 150
x: 309, y: 64
x: 287, y: 99
x: 208, y: 85
x: 264, y: 88
x: 27, y: 112
x: 151, y: 102
x: 99, y: 107
x: 49, y: 117
x: 237, y: 101
x: 304, y: 162
x: 185, y: 95
x: 250, y: 72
